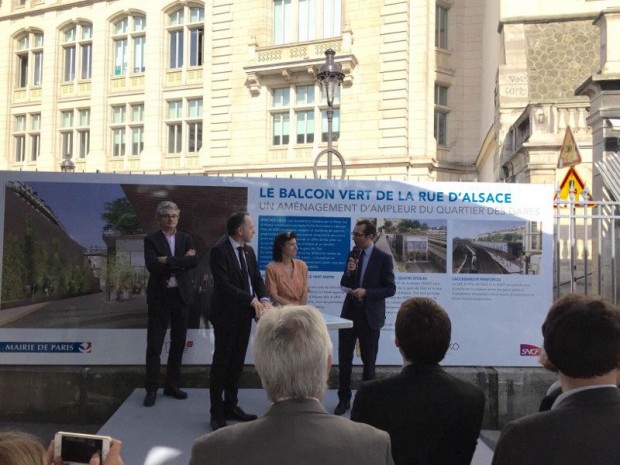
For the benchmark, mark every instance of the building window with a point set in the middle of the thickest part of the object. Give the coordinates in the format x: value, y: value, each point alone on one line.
x: 441, y: 114
x: 35, y: 136
x: 175, y: 126
x: 75, y: 132
x: 129, y: 37
x: 127, y: 124
x: 78, y: 52
x: 299, y: 104
x: 194, y: 125
x: 302, y: 20
x: 19, y: 135
x: 137, y: 128
x: 30, y: 60
x: 186, y: 37
x: 190, y: 123
x: 84, y: 133
x: 27, y: 137
x: 66, y: 133
x: 441, y: 27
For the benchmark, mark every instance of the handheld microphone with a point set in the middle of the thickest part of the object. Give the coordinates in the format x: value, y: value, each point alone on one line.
x: 355, y: 255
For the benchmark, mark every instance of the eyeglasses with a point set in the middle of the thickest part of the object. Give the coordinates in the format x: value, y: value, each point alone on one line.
x: 169, y: 217
x: 357, y: 234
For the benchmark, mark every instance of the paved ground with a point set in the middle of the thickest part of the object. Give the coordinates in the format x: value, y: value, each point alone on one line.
x: 87, y: 311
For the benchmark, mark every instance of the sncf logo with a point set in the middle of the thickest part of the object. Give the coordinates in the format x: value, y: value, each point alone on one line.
x: 528, y: 350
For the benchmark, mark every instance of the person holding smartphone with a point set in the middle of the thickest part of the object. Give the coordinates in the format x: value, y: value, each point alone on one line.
x: 19, y: 448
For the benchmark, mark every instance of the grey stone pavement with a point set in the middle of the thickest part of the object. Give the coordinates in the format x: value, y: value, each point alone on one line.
x: 87, y: 311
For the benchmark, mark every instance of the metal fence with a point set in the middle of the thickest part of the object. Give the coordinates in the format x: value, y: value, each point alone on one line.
x: 585, y: 237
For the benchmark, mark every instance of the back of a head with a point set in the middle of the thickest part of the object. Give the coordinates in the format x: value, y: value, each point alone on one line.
x: 291, y: 349
x: 17, y: 448
x: 423, y: 330
x: 582, y: 336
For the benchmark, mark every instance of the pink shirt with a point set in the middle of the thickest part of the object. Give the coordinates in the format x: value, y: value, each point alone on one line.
x: 291, y: 288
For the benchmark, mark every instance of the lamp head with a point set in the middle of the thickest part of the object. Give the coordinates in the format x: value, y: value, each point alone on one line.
x: 67, y: 166
x: 330, y: 76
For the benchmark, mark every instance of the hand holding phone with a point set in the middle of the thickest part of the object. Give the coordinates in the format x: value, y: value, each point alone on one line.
x: 77, y: 448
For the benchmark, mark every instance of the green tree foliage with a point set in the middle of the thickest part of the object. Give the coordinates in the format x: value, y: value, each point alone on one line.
x: 36, y: 266
x: 13, y: 269
x: 120, y: 216
x: 406, y: 226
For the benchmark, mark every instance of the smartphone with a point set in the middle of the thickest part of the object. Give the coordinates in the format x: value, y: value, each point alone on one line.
x: 77, y: 449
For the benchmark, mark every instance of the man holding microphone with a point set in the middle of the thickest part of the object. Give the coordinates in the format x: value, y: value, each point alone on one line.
x: 368, y: 280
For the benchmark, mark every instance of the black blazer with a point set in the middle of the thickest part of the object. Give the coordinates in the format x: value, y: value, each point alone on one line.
x: 379, y: 284
x: 155, y: 245
x: 583, y: 429
x: 230, y: 300
x: 432, y: 417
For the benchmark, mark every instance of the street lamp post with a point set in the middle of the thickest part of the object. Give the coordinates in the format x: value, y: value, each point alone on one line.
x: 330, y: 76
x: 67, y: 166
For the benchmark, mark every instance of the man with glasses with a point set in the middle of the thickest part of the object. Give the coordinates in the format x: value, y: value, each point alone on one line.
x: 368, y: 279
x: 169, y: 256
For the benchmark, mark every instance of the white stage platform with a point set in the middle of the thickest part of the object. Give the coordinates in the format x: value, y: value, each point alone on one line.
x: 164, y: 434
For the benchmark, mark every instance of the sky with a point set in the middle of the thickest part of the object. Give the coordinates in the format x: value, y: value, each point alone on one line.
x: 79, y: 207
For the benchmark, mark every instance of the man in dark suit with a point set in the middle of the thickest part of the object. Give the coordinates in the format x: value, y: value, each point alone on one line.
x: 431, y: 416
x: 293, y: 355
x: 368, y: 280
x: 239, y: 295
x: 582, y: 340
x: 169, y: 256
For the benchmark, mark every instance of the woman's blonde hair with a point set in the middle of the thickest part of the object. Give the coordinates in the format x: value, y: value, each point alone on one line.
x: 18, y: 448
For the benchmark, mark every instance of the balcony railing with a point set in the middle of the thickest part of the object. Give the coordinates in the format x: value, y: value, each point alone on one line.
x: 546, y: 123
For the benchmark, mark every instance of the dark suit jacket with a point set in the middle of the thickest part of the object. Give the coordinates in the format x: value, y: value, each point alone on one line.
x: 294, y: 432
x: 379, y: 284
x: 155, y: 245
x: 583, y: 429
x: 230, y: 301
x: 432, y: 417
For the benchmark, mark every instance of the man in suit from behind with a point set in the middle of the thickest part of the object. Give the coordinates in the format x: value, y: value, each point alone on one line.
x: 431, y: 416
x: 369, y: 280
x: 293, y: 354
x: 169, y: 256
x: 582, y: 340
x: 239, y: 295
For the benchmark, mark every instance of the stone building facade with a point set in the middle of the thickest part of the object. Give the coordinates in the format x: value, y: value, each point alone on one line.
x: 229, y: 88
x: 442, y: 90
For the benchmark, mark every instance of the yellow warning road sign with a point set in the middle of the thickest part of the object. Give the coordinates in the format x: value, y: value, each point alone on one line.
x: 572, y: 181
x: 569, y: 154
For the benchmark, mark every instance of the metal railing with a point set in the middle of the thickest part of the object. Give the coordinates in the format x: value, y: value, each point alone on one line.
x: 585, y: 237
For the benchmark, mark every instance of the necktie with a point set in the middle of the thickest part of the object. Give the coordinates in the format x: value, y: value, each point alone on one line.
x: 244, y: 269
x: 360, y: 264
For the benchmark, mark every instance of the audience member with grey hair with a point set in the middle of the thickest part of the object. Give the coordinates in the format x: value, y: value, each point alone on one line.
x: 293, y: 356
x: 297, y: 343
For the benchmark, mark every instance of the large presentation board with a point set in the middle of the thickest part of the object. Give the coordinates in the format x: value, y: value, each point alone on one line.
x: 73, y: 277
